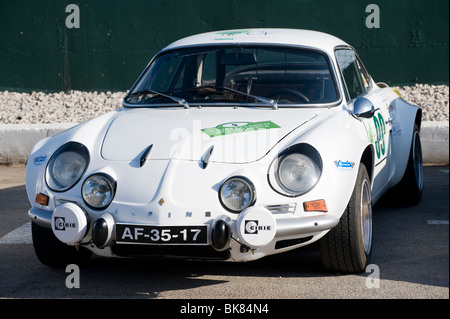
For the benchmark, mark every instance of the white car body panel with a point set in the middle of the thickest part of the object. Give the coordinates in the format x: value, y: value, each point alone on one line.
x: 182, y: 137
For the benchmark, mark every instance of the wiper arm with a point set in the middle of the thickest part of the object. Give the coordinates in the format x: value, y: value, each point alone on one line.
x: 173, y: 98
x: 265, y: 100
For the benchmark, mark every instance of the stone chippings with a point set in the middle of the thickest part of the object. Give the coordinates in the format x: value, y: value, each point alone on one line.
x: 79, y: 106
x: 61, y: 107
x: 433, y: 99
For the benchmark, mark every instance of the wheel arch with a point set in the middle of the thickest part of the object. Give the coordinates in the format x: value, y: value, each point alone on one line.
x: 418, y: 119
x: 408, y: 116
x: 367, y: 158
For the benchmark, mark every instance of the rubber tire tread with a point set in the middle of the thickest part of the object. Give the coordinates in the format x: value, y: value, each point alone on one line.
x: 407, y: 191
x: 52, y: 252
x: 341, y: 248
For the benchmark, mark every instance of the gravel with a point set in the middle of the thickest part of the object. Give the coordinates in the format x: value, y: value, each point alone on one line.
x: 78, y: 106
x: 62, y: 107
x: 433, y: 99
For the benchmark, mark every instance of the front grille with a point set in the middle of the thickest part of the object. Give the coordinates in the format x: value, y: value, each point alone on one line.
x: 291, y: 242
x: 170, y: 251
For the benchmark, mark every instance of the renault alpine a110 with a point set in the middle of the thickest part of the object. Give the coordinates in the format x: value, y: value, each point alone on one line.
x: 232, y: 146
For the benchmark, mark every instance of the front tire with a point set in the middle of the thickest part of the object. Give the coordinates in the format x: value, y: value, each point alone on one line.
x: 52, y: 252
x: 347, y: 247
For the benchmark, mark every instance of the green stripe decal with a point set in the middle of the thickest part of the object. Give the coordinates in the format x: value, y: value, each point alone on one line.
x: 238, y: 127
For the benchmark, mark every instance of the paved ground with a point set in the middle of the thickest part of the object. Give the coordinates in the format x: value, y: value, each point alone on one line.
x: 411, y: 255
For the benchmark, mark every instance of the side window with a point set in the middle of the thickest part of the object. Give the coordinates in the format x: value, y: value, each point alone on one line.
x: 355, y: 77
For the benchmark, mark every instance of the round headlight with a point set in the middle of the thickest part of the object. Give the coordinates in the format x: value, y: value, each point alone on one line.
x: 98, y: 191
x: 236, y: 194
x: 297, y: 173
x: 296, y: 170
x: 66, y: 166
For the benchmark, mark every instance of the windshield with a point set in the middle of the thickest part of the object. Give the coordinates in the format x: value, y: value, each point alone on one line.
x: 258, y: 75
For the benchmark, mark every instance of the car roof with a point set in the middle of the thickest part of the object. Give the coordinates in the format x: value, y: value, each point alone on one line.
x: 270, y: 36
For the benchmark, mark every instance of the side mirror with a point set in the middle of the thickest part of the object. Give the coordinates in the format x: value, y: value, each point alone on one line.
x: 362, y: 107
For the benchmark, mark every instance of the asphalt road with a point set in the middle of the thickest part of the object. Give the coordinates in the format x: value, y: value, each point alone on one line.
x: 410, y: 254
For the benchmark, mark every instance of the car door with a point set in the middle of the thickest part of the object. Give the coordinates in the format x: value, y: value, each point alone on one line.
x: 378, y: 126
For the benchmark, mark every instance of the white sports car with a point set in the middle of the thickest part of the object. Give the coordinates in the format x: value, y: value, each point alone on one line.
x: 231, y: 146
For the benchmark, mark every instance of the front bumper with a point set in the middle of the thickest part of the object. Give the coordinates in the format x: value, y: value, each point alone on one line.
x: 222, y: 232
x: 41, y: 217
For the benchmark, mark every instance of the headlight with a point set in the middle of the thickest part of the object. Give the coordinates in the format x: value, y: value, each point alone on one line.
x: 98, y: 190
x: 66, y: 166
x: 236, y: 194
x: 296, y: 171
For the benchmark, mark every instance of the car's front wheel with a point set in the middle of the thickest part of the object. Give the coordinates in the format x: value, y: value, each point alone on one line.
x: 347, y: 247
x: 52, y: 252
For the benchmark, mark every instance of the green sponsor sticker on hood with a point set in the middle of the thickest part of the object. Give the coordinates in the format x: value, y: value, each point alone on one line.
x: 238, y: 127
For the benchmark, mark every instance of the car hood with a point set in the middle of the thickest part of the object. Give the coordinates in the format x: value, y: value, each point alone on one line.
x: 221, y: 134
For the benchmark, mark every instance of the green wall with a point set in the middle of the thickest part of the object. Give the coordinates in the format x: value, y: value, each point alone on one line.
x: 117, y: 38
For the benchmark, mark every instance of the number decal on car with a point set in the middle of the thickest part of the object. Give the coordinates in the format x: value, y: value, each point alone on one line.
x: 380, y: 128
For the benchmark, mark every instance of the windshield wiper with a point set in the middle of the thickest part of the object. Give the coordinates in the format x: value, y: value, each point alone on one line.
x: 173, y: 98
x: 214, y: 88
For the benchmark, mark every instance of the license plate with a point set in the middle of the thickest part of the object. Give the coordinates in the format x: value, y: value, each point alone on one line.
x: 145, y: 234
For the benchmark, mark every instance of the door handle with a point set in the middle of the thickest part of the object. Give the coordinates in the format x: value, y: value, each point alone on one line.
x: 390, y: 121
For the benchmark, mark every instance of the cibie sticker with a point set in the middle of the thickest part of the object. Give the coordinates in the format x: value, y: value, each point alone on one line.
x: 253, y: 227
x: 238, y: 127
x: 256, y: 227
x: 344, y: 164
x: 61, y: 224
